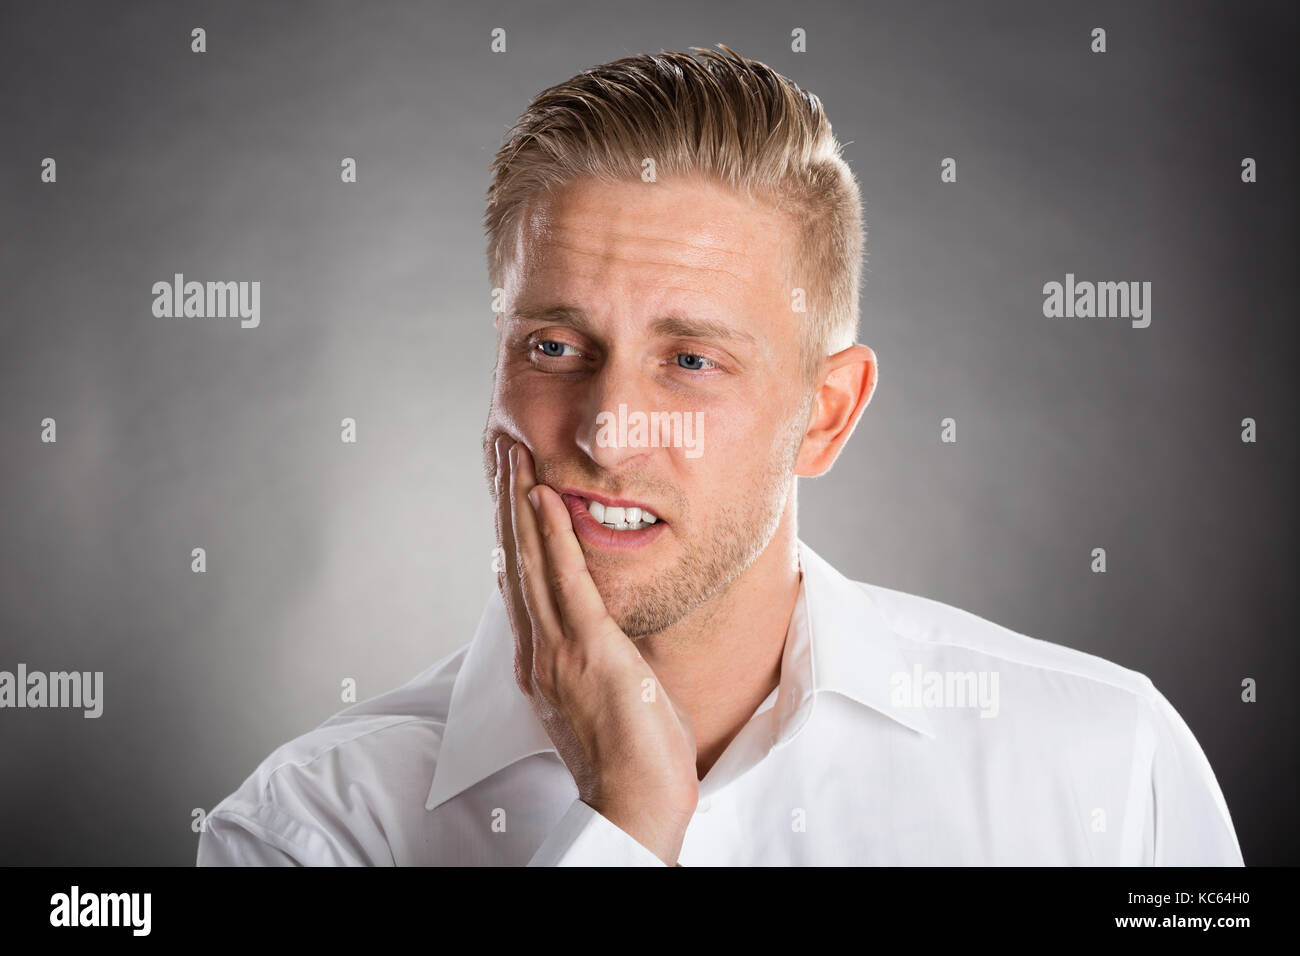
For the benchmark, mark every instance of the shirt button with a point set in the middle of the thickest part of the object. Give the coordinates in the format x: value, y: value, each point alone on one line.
x: 704, y: 805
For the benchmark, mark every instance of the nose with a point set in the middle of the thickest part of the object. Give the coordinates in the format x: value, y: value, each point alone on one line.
x: 605, y: 432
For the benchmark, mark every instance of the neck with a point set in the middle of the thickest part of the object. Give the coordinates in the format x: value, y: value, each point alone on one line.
x: 721, y: 661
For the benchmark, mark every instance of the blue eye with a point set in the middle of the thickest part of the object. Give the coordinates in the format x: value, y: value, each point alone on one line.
x: 697, y: 363
x: 553, y: 349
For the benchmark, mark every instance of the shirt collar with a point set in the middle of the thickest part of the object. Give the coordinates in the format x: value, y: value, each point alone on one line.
x: 839, y: 641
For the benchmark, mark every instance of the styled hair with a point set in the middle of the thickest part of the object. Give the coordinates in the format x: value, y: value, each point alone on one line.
x: 718, y: 115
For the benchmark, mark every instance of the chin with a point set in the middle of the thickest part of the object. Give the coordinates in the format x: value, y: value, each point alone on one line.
x: 625, y: 602
x: 618, y: 593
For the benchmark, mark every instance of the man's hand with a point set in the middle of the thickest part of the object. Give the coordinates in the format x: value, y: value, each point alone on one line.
x: 630, y: 749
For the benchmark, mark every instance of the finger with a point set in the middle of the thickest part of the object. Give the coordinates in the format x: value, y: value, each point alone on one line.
x: 582, y: 609
x: 542, y: 611
x: 508, y: 577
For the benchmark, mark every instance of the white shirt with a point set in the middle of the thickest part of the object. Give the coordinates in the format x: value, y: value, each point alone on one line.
x: 903, y: 731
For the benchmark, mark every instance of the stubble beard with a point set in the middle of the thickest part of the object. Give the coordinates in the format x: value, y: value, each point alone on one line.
x: 713, y: 557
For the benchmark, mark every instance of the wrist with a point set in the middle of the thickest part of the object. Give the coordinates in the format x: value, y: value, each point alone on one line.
x: 661, y: 835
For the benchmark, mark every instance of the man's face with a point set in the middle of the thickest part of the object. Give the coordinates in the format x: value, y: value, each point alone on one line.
x: 660, y: 297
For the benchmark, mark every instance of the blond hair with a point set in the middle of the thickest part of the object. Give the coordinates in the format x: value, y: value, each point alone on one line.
x: 726, y: 117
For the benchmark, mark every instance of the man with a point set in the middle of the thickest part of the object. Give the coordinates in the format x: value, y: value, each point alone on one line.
x: 668, y: 675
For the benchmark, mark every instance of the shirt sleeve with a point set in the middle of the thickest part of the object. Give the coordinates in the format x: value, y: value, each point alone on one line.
x: 1189, y: 819
x: 583, y: 837
x: 236, y: 834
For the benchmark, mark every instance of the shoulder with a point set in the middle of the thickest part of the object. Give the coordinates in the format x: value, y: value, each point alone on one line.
x: 1079, y: 717
x: 1060, y: 703
x: 327, y: 795
x: 931, y: 629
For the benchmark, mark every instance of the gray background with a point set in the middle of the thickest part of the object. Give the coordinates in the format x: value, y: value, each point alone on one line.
x: 371, y: 561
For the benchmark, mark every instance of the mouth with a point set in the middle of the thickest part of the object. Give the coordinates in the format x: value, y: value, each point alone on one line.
x: 609, y: 523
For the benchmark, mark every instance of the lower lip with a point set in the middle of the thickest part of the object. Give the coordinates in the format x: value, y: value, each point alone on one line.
x: 596, y: 534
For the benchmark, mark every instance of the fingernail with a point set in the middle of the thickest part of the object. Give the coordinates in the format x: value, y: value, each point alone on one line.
x: 536, y: 498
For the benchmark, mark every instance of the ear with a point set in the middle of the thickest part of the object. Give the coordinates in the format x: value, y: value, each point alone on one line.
x: 847, y: 383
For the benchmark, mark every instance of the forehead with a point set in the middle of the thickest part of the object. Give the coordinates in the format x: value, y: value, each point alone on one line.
x: 631, y: 244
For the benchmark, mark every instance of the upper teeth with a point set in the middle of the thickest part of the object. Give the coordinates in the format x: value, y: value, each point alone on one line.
x: 621, y: 519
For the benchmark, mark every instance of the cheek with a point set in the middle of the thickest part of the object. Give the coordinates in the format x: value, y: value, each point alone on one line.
x: 515, y: 389
x: 743, y: 433
x: 541, y: 421
x: 737, y: 451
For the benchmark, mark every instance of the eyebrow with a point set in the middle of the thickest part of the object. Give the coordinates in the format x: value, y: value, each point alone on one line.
x: 684, y: 327
x: 673, y: 325
x: 562, y: 314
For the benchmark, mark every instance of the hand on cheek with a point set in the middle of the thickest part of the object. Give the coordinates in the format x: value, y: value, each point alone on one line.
x: 630, y: 749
